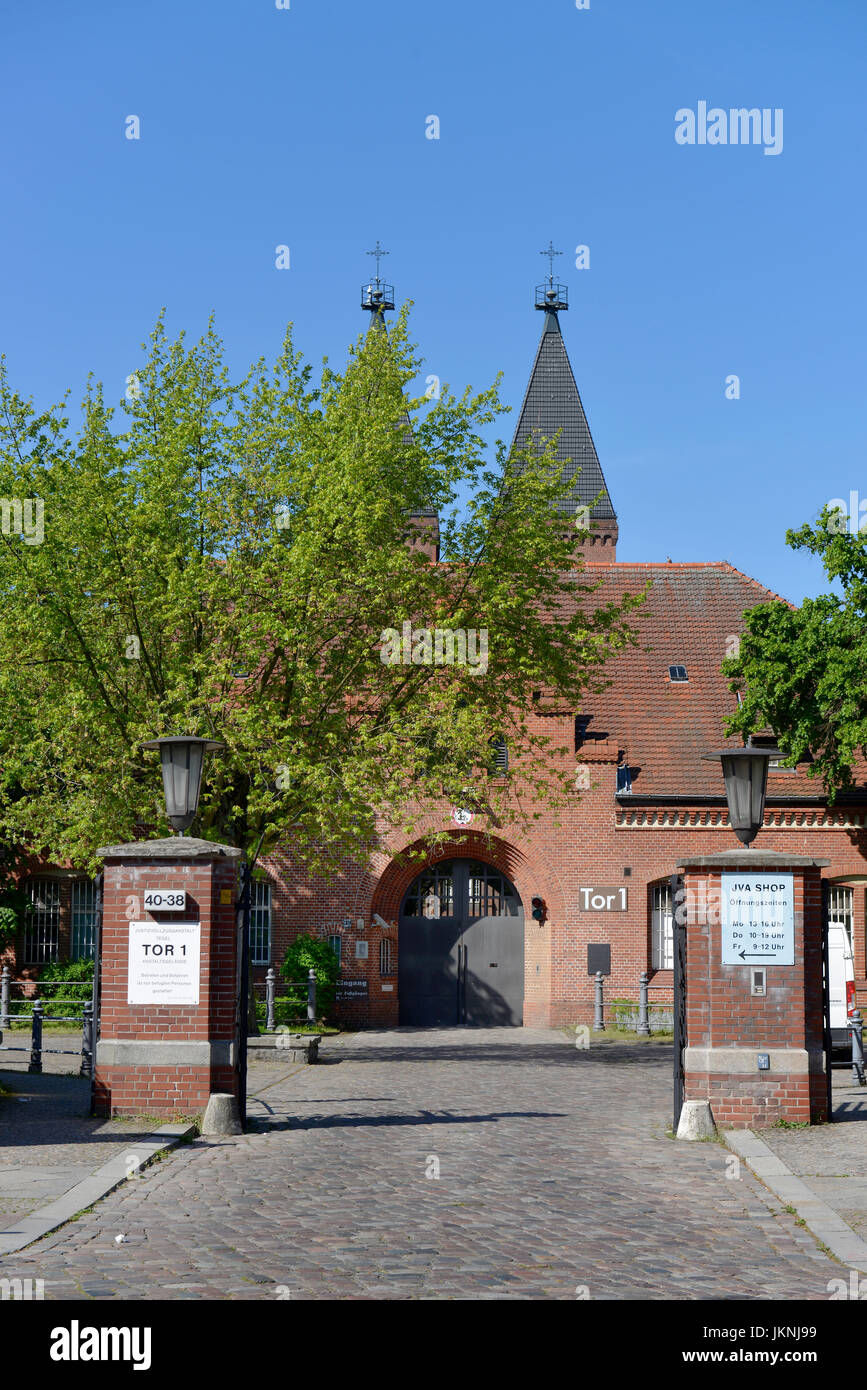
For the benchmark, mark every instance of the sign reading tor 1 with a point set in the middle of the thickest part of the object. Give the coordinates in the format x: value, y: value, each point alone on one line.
x: 164, y: 963
x: 757, y: 916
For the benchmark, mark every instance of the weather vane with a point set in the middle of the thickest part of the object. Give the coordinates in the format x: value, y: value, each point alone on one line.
x: 379, y: 252
x: 550, y: 253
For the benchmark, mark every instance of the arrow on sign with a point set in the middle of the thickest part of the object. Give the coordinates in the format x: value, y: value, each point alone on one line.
x: 743, y: 955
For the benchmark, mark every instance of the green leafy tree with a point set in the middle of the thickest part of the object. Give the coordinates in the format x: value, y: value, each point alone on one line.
x: 223, y: 557
x: 803, y: 671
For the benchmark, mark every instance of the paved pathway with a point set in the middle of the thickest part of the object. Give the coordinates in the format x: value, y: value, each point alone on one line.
x: 48, y: 1143
x: 832, y: 1159
x: 555, y: 1175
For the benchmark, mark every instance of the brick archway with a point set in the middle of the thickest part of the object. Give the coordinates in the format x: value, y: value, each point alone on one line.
x: 531, y: 877
x: 528, y: 876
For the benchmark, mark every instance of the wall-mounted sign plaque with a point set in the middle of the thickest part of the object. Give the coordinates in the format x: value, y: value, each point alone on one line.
x: 164, y: 963
x: 757, y: 919
x: 165, y: 900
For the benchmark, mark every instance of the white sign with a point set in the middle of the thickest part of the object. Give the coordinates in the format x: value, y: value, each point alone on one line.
x: 461, y: 817
x: 757, y: 916
x: 165, y: 900
x: 164, y: 962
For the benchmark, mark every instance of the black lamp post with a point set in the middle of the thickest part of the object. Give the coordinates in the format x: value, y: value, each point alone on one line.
x: 745, y: 771
x: 182, y: 758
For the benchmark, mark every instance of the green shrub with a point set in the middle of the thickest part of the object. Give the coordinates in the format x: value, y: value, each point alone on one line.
x: 70, y: 982
x: 307, y: 953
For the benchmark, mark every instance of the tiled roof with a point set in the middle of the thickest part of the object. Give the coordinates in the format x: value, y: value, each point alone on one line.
x: 552, y: 403
x: 662, y: 727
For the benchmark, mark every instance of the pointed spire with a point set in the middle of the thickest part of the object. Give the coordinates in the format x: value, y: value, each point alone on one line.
x: 552, y: 402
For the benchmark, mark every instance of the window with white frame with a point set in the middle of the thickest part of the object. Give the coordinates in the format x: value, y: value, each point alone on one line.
x: 840, y: 903
x: 84, y: 913
x: 260, y: 923
x: 42, y: 921
x: 662, y: 927
x: 386, y: 956
x: 335, y: 942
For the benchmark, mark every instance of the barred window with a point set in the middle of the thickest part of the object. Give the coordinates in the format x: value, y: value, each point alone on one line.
x: 386, y: 956
x: 42, y: 922
x: 662, y: 927
x: 840, y: 901
x: 335, y: 943
x: 260, y: 923
x: 432, y: 894
x: 490, y: 892
x: 84, y: 913
x: 499, y: 757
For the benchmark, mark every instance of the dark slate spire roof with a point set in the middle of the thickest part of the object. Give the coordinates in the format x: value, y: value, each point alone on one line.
x: 552, y: 402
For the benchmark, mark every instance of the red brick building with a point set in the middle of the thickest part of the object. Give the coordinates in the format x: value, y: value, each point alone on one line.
x: 460, y: 943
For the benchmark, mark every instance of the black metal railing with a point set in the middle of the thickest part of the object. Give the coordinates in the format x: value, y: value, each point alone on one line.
x: 266, y: 992
x: 37, y: 1017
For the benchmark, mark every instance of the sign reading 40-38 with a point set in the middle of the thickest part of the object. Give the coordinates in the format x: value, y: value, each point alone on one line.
x: 757, y: 917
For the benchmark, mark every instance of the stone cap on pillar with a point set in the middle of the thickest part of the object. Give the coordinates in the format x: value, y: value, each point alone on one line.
x: 743, y: 858
x: 176, y: 847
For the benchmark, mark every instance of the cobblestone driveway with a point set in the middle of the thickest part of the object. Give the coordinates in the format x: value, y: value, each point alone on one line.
x: 555, y: 1173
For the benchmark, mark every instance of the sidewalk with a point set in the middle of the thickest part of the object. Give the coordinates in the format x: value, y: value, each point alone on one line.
x: 832, y: 1159
x: 55, y: 1159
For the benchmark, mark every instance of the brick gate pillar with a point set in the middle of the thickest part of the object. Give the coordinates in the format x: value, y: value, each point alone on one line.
x: 169, y: 978
x: 754, y: 1040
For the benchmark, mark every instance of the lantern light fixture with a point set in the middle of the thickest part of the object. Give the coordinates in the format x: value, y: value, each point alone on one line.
x: 182, y: 758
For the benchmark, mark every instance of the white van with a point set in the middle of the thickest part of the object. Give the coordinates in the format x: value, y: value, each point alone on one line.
x: 841, y: 986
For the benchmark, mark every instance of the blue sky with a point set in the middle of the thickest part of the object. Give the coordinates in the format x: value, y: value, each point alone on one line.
x: 306, y: 127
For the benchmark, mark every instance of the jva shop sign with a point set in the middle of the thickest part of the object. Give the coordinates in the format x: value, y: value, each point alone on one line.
x: 757, y: 917
x: 164, y: 963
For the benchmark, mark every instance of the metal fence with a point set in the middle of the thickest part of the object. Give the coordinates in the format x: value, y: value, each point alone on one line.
x: 265, y: 991
x: 30, y: 1009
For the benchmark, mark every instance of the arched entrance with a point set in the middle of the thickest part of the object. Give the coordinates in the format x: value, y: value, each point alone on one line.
x: 461, y: 948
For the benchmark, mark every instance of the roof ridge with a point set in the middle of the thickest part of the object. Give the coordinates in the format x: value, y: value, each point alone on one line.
x: 685, y: 565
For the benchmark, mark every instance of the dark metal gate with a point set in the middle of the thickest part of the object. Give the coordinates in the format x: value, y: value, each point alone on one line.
x: 461, y: 948
x: 678, y: 927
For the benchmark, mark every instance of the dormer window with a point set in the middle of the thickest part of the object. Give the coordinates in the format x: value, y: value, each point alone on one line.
x: 624, y: 780
x: 677, y: 674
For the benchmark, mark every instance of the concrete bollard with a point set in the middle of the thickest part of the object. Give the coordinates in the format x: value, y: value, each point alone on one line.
x: 696, y: 1120
x: 222, y: 1115
x: 4, y: 998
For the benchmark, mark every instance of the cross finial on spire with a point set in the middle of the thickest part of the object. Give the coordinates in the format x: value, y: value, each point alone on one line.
x: 378, y: 252
x: 550, y: 253
x: 377, y: 296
